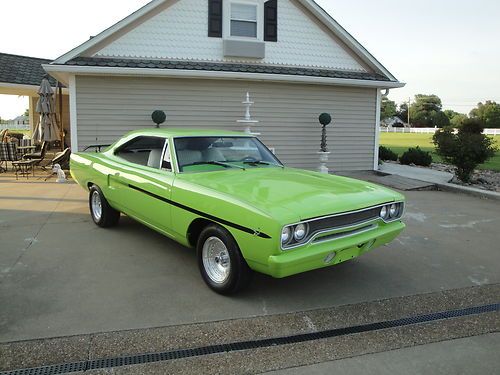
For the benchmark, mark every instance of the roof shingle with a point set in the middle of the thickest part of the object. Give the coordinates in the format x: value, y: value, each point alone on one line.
x: 224, y: 67
x: 22, y: 70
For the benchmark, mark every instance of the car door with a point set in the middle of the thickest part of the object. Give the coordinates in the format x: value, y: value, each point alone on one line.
x: 142, y: 181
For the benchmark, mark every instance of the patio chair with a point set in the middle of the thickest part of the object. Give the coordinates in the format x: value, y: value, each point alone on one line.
x: 8, y: 152
x: 38, y: 155
x: 61, y: 158
x: 3, y: 134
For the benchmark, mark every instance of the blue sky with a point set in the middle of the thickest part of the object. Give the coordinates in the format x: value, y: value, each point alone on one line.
x: 449, y: 48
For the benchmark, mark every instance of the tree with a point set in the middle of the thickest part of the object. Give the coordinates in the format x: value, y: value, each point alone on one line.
x: 387, y: 109
x: 27, y: 112
x: 458, y: 120
x: 466, y: 149
x: 440, y: 119
x: 450, y: 113
x: 488, y: 113
x: 426, y: 111
x: 402, y: 112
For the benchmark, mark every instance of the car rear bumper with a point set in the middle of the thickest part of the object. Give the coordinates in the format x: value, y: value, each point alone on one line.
x: 333, y: 252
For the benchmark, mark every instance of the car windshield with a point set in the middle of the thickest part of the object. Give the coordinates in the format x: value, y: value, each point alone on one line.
x: 211, y: 153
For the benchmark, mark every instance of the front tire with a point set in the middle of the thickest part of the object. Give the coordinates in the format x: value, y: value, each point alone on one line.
x: 221, y: 264
x: 102, y: 213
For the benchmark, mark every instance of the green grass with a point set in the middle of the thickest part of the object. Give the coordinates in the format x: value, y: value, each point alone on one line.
x: 399, y: 143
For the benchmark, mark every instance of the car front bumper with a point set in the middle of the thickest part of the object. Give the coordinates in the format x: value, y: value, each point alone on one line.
x: 328, y: 253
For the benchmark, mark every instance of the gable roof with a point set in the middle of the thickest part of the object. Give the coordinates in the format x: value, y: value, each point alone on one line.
x: 22, y: 70
x: 74, y: 58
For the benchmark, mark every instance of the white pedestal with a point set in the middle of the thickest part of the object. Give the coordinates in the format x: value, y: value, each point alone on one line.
x: 323, y: 160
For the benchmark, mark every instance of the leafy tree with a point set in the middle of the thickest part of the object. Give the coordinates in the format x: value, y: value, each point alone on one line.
x: 466, y: 149
x: 426, y: 111
x: 402, y: 112
x: 27, y: 112
x: 457, y: 120
x: 388, y: 108
x: 440, y: 119
x: 488, y: 113
x: 450, y: 113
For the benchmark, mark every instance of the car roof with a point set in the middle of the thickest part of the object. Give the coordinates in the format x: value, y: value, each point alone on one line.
x: 186, y: 132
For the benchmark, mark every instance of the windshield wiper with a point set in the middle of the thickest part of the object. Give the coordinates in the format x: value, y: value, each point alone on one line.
x: 219, y: 163
x: 261, y: 162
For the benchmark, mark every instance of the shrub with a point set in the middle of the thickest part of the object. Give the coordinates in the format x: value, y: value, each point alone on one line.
x: 385, y: 153
x: 416, y: 156
x: 466, y: 149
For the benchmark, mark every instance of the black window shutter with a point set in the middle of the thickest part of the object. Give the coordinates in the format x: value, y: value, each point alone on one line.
x: 215, y: 18
x: 271, y: 21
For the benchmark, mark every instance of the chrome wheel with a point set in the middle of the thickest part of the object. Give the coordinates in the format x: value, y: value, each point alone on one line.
x: 96, y: 205
x: 216, y: 260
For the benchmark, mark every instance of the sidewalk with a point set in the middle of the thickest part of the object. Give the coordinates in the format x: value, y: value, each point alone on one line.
x: 440, y: 179
x: 422, y: 174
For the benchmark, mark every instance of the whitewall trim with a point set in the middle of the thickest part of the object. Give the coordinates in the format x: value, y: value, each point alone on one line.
x: 73, y: 113
x: 378, y: 105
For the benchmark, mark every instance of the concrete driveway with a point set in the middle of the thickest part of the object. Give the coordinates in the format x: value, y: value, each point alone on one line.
x: 61, y: 275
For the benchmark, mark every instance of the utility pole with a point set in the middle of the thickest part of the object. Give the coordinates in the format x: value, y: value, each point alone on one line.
x: 409, y: 102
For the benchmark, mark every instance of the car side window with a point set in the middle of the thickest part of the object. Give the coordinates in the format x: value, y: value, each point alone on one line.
x: 145, y: 151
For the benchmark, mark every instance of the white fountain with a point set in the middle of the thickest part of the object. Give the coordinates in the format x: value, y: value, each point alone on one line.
x: 247, y: 121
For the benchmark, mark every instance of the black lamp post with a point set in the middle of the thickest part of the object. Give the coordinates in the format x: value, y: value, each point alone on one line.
x: 158, y: 117
x: 324, y: 119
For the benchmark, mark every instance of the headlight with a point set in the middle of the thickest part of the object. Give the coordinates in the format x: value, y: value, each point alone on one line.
x: 393, y: 210
x: 286, y: 235
x: 300, y: 232
x: 383, y: 212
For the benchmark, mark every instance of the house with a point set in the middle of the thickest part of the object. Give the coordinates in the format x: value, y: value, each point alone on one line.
x: 21, y: 76
x: 393, y: 122
x: 196, y: 59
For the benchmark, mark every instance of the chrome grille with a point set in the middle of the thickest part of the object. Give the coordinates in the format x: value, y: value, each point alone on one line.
x: 343, y: 220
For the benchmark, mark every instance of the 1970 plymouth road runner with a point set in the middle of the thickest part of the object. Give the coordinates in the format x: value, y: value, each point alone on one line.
x: 225, y: 194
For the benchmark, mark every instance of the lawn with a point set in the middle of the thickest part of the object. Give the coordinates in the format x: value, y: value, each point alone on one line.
x: 399, y: 143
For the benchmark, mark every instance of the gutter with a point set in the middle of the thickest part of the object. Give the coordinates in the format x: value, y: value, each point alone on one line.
x: 63, y: 72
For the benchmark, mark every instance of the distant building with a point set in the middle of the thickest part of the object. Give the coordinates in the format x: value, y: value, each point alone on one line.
x: 19, y: 120
x: 393, y: 122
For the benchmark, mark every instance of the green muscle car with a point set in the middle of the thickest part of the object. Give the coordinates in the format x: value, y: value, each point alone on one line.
x: 225, y: 194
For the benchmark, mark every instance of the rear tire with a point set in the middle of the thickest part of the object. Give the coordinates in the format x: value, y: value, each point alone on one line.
x: 102, y: 213
x: 221, y: 264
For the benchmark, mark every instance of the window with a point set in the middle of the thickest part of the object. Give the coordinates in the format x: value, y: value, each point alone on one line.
x: 144, y: 151
x: 243, y: 20
x: 197, y: 154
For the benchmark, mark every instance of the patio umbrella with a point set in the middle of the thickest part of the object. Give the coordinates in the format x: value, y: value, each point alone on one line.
x: 47, y: 129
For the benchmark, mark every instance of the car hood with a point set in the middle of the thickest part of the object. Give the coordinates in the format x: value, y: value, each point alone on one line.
x: 302, y: 194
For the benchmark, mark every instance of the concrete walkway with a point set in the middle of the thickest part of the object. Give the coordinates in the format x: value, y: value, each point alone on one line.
x: 427, y: 175
x: 416, y: 173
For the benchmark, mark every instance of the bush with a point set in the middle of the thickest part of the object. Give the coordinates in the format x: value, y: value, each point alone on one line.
x: 466, y: 149
x: 385, y: 153
x: 416, y: 156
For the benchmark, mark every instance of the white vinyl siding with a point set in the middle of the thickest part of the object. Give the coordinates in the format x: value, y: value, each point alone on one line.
x: 108, y: 107
x: 180, y: 33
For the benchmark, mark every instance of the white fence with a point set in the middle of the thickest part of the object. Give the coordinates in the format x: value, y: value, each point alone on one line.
x: 428, y: 130
x: 15, y: 126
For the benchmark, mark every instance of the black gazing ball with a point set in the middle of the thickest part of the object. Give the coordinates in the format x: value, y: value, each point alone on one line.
x: 325, y: 119
x: 158, y: 117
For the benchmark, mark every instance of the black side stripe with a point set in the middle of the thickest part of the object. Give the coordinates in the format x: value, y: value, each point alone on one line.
x: 200, y: 213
